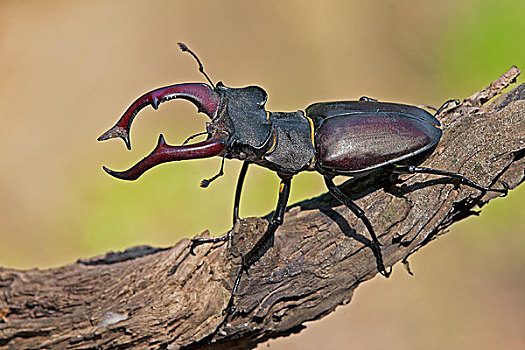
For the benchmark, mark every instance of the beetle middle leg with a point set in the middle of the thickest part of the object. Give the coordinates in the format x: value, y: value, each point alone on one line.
x: 344, y: 199
x: 238, y: 190
x: 259, y: 247
x: 411, y: 169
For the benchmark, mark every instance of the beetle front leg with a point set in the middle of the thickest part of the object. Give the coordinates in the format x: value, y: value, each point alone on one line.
x: 259, y: 248
x: 411, y: 169
x: 375, y: 245
x: 238, y: 190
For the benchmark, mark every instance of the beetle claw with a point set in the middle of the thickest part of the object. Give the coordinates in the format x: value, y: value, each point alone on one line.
x: 110, y: 172
x: 206, y: 182
x: 166, y: 153
x: 201, y: 95
x: 505, y: 190
x: 116, y: 131
x: 386, y: 272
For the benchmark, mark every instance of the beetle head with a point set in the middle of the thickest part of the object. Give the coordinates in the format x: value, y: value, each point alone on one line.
x: 238, y: 122
x: 244, y: 117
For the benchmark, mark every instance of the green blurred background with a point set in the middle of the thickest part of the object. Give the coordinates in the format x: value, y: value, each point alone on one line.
x: 68, y: 69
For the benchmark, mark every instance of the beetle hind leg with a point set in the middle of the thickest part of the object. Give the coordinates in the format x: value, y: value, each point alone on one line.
x: 411, y: 169
x: 375, y: 244
x: 445, y: 105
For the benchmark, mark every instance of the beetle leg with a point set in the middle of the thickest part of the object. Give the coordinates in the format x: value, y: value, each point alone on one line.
x: 445, y: 105
x: 226, y: 237
x: 238, y: 190
x: 258, y: 249
x: 375, y: 245
x: 193, y: 136
x: 206, y: 182
x: 440, y: 109
x: 428, y: 107
x: 410, y: 169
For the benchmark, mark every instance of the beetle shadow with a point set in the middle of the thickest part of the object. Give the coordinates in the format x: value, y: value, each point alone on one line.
x: 352, y: 233
x: 401, y: 189
x: 344, y: 226
x: 356, y: 188
x: 359, y: 187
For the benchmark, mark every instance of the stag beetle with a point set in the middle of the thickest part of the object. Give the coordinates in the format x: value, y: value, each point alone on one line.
x: 350, y: 138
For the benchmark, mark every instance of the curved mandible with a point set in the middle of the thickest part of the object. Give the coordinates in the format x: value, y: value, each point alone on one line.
x: 202, y: 95
x: 166, y: 153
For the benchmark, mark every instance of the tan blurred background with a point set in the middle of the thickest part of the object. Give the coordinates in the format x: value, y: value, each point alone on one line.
x: 68, y: 69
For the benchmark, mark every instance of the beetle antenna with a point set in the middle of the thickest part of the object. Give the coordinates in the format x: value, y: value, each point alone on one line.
x: 184, y: 48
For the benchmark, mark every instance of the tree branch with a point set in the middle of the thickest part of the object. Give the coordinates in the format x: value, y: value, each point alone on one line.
x: 169, y: 298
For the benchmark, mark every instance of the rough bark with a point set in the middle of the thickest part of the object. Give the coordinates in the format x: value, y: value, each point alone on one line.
x: 168, y: 298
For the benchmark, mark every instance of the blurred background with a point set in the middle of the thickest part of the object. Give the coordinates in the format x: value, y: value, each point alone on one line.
x: 68, y: 69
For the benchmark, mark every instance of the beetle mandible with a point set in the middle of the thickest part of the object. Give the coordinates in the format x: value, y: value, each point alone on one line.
x: 350, y: 138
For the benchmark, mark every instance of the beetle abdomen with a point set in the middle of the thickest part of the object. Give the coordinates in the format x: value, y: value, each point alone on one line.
x: 356, y: 143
